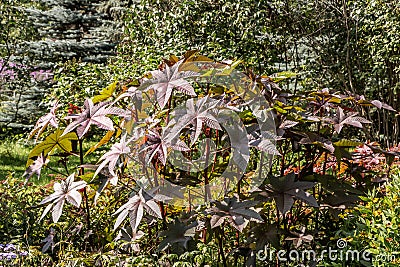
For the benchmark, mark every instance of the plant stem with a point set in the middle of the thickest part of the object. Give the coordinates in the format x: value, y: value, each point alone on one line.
x: 219, y: 234
x: 82, y: 172
x: 54, y: 170
x: 207, y: 193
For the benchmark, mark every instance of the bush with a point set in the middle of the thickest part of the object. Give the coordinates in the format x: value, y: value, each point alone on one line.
x: 282, y: 172
x: 373, y: 225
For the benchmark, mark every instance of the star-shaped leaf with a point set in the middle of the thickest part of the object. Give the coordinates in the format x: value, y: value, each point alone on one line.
x: 92, y: 114
x: 177, y: 232
x: 112, y: 156
x: 350, y: 119
x: 158, y: 145
x: 300, y: 237
x: 198, y: 114
x: 313, y: 138
x: 36, y: 167
x: 135, y: 208
x: 127, y: 235
x: 65, y: 191
x: 49, y: 241
x: 44, y: 121
x: 236, y: 213
x: 285, y: 189
x: 54, y: 141
x: 263, y: 234
x: 264, y: 141
x: 165, y: 81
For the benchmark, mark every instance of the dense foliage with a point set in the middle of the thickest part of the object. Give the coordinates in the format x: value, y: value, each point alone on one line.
x: 281, y: 135
x: 347, y: 45
x: 374, y: 224
x: 251, y: 176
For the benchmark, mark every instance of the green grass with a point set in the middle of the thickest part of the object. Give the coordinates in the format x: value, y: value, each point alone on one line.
x: 14, y: 154
x: 13, y: 157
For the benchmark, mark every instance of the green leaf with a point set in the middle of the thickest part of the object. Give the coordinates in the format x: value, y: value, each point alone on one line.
x: 280, y: 110
x: 346, y: 143
x: 228, y: 70
x: 54, y: 141
x: 103, y: 141
x: 341, y: 152
x: 280, y: 76
x: 105, y: 93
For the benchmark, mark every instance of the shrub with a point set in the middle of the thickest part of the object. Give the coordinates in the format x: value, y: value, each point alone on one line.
x: 373, y: 224
x: 253, y: 166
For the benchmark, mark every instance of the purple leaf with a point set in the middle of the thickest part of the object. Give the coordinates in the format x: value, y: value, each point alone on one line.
x: 238, y: 214
x: 36, y: 167
x: 170, y: 78
x: 284, y: 189
x: 44, y: 121
x: 66, y: 190
x: 112, y: 156
x: 350, y: 119
x: 135, y: 207
x: 49, y: 241
x: 92, y: 114
x: 158, y: 145
x: 199, y: 114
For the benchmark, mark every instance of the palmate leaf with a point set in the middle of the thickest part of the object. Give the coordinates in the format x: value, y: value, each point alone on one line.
x: 177, y: 232
x: 67, y: 190
x: 93, y: 114
x: 44, y: 121
x: 54, y: 141
x: 49, y: 241
x: 264, y: 143
x: 264, y: 234
x: 135, y: 207
x: 264, y: 137
x: 157, y: 144
x: 315, y: 139
x: 300, y: 237
x: 36, y: 167
x: 196, y: 114
x: 285, y: 189
x: 236, y: 213
x: 163, y: 83
x: 105, y: 93
x: 350, y: 119
x: 112, y: 156
x: 127, y: 235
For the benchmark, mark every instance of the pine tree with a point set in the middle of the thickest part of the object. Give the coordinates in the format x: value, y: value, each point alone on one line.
x: 61, y: 30
x: 71, y: 29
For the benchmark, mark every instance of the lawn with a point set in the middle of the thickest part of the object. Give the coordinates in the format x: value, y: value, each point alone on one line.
x: 14, y: 155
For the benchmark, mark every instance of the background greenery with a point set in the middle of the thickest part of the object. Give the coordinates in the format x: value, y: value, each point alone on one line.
x: 347, y: 45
